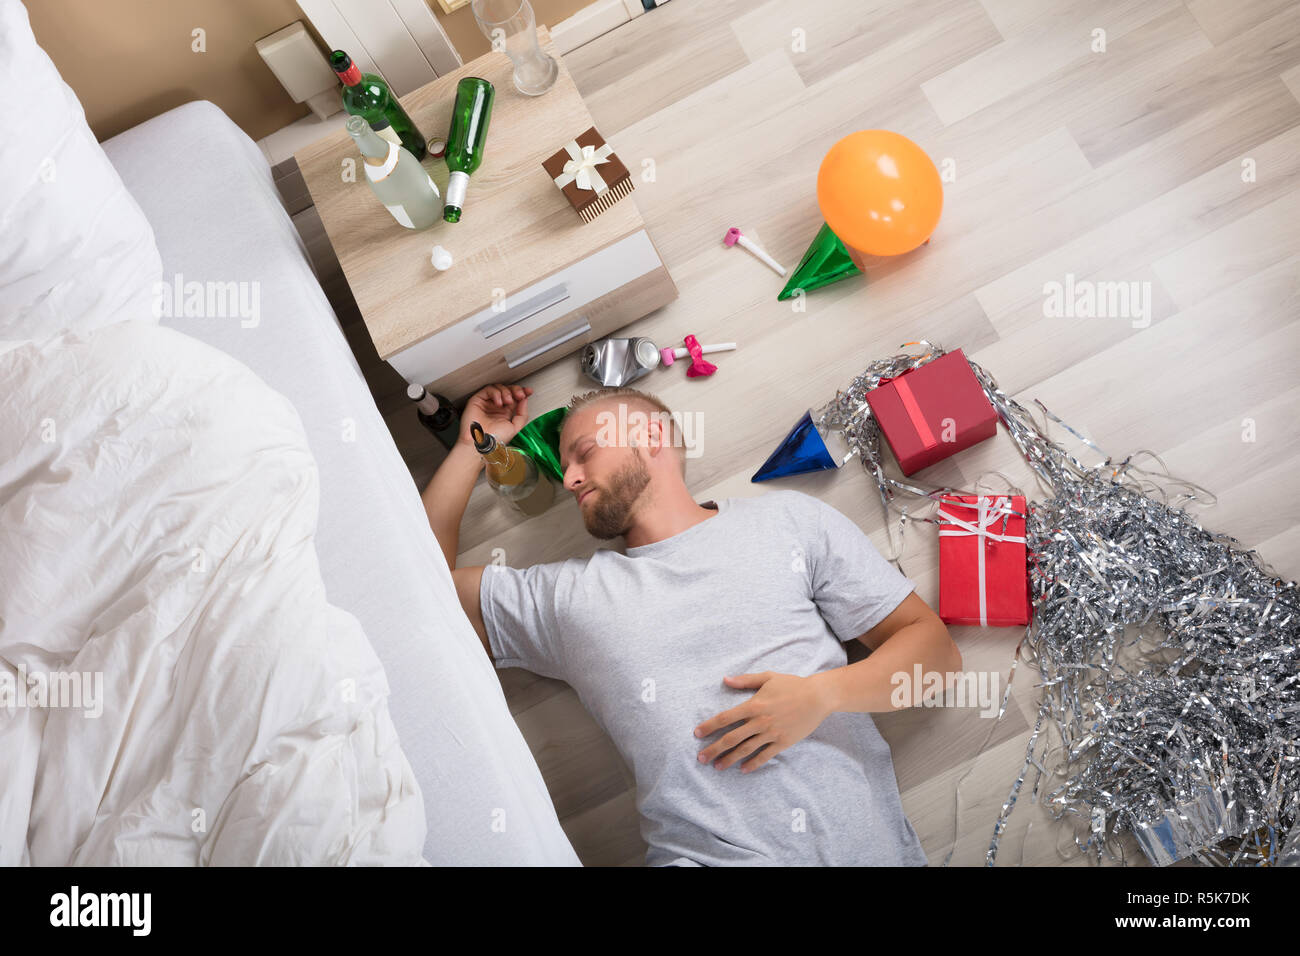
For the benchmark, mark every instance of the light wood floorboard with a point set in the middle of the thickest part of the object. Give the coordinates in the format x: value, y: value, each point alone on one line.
x: 1117, y: 166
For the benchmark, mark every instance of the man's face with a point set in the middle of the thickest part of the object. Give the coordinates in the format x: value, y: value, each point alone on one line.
x: 602, y: 469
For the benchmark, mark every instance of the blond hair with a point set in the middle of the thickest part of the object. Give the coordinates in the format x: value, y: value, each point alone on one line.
x: 651, y: 404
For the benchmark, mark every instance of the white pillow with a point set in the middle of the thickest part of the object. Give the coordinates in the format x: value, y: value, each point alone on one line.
x: 75, y: 249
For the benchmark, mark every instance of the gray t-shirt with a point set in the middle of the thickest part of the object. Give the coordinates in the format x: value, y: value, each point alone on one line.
x: 776, y: 582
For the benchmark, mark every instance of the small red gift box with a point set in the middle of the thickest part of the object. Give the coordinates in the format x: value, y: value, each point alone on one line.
x: 933, y: 411
x: 983, y: 573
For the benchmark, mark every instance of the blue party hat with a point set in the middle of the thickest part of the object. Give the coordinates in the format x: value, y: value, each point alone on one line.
x: 802, y: 451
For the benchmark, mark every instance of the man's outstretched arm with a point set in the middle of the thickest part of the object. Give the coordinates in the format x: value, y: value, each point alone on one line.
x: 468, y: 581
x: 502, y: 410
x: 448, y: 493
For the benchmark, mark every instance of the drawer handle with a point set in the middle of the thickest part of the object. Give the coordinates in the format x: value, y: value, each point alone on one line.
x: 546, y: 345
x: 524, y: 310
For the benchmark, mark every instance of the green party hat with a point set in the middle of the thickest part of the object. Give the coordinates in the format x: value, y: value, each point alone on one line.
x: 540, y: 438
x: 827, y: 260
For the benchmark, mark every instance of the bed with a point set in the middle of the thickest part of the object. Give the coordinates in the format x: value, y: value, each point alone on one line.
x: 207, y: 192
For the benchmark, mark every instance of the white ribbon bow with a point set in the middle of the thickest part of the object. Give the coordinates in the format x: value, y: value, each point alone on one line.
x: 581, y: 166
x: 987, y: 515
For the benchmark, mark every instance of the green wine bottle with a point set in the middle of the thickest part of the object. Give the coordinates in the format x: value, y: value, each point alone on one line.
x: 369, y: 97
x: 465, y: 141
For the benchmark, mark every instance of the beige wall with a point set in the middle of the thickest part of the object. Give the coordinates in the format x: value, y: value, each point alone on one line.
x: 129, y: 60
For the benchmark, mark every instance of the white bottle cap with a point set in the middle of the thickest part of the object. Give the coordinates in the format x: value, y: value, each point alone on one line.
x: 441, y: 259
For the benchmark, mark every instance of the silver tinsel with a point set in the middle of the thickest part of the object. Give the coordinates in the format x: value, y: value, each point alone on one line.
x: 1167, y: 653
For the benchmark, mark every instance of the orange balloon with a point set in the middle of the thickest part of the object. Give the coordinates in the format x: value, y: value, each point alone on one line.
x: 879, y: 192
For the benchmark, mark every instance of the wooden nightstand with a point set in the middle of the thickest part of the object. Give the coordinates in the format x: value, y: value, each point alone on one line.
x: 531, y: 282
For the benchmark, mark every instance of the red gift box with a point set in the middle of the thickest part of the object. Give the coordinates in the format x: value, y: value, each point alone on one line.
x: 983, y: 573
x: 933, y: 411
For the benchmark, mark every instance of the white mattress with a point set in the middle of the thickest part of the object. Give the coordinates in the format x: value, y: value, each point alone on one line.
x: 208, y: 193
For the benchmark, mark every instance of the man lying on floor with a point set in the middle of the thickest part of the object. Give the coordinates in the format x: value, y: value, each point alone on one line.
x: 711, y: 651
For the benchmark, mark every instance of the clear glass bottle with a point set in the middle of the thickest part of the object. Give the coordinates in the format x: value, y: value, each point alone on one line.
x: 512, y: 474
x: 396, y: 177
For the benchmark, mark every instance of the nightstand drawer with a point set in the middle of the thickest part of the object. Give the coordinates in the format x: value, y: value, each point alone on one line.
x: 494, y: 329
x: 563, y: 336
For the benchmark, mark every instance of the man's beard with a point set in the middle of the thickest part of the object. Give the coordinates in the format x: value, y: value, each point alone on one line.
x: 610, y: 516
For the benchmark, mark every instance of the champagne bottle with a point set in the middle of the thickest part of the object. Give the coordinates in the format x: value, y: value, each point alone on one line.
x: 369, y: 97
x: 465, y: 140
x: 436, y: 414
x: 396, y: 177
x: 512, y: 474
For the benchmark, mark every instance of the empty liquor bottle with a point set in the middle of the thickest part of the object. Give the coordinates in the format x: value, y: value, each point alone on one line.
x: 512, y: 474
x: 465, y: 139
x: 396, y: 177
x: 369, y: 97
x: 436, y: 414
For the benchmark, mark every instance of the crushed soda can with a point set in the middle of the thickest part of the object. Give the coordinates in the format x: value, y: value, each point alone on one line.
x: 615, y: 362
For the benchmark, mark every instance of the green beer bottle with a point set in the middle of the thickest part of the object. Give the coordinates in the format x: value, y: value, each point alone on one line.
x: 465, y: 141
x: 369, y: 97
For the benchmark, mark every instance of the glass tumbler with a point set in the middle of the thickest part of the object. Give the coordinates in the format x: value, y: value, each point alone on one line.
x: 512, y: 29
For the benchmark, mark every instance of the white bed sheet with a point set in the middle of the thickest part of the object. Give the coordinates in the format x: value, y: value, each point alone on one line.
x: 207, y: 191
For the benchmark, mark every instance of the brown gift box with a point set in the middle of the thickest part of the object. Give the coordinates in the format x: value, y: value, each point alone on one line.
x: 589, y: 203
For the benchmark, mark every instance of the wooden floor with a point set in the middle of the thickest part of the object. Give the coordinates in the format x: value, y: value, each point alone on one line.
x: 1122, y: 165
